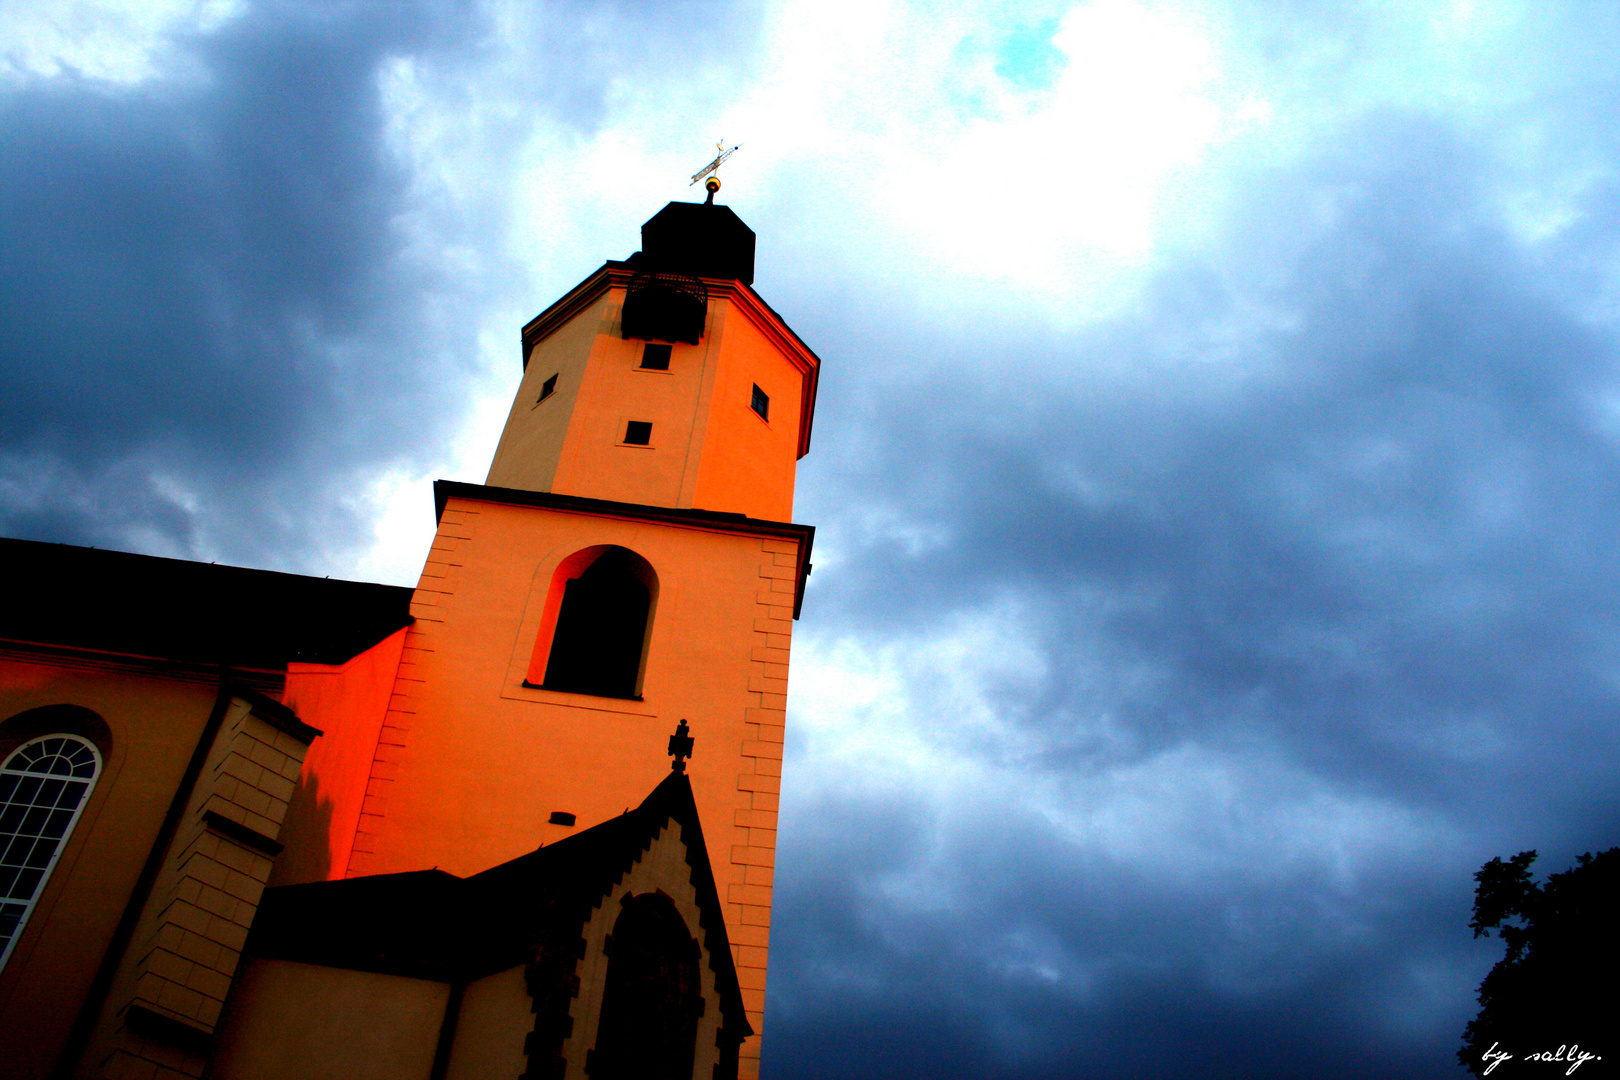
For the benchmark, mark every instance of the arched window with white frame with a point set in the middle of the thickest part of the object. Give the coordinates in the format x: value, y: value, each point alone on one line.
x: 44, y: 785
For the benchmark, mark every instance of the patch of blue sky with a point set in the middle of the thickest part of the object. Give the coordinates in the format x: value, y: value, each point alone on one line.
x: 1028, y: 58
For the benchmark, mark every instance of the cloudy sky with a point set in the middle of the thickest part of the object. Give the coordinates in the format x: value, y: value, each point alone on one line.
x: 1217, y: 464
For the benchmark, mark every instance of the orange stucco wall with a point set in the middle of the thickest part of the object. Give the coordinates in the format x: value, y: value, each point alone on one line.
x: 347, y: 703
x: 709, y: 449
x: 155, y: 722
x: 595, y: 462
x: 536, y: 430
x: 748, y: 464
x: 471, y: 763
x: 485, y: 760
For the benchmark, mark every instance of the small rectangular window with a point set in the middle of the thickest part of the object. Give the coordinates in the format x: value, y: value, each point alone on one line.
x: 547, y: 388
x: 638, y: 433
x: 655, y: 357
x: 761, y: 403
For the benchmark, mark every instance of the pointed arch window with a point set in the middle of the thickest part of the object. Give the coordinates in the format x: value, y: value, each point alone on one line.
x: 44, y: 786
x: 653, y: 996
x: 599, y: 615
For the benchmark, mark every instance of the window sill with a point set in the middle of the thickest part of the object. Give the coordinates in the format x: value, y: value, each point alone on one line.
x: 527, y: 685
x: 568, y: 699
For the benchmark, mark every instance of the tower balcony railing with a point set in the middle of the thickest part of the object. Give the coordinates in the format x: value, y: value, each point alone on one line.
x: 665, y: 306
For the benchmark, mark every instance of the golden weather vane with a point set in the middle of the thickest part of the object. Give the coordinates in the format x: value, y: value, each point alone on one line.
x: 712, y: 169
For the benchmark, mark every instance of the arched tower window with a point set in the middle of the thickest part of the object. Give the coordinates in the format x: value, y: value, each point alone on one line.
x: 652, y: 998
x: 44, y: 785
x: 603, y: 619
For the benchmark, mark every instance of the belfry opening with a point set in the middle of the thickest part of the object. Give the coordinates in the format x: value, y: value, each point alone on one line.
x: 600, y: 635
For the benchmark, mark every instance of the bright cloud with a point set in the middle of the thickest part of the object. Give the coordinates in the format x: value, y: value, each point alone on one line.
x: 105, y: 40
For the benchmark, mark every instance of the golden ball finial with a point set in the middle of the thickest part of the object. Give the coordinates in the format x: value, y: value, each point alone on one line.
x: 712, y: 184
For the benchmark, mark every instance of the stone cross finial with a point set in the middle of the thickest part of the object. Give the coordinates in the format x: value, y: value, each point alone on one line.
x: 680, y: 747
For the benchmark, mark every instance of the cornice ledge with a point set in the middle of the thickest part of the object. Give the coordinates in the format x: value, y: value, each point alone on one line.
x: 710, y: 520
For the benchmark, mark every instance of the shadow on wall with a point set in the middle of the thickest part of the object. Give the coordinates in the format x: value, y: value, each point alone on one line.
x: 307, y: 833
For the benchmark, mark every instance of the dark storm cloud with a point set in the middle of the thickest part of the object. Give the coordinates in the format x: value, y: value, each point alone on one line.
x: 1370, y: 543
x: 1318, y: 540
x: 211, y: 322
x: 202, y: 298
x: 1419, y: 481
x: 1049, y: 964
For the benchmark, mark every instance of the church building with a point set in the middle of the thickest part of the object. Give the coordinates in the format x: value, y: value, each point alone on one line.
x: 518, y: 821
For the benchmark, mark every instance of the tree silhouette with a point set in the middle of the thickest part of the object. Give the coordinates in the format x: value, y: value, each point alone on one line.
x: 1552, y: 998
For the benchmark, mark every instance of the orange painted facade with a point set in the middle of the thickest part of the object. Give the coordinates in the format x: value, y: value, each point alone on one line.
x: 474, y: 758
x: 148, y: 812
x: 455, y: 736
x: 709, y: 449
x: 348, y: 703
x: 483, y: 760
x: 153, y: 722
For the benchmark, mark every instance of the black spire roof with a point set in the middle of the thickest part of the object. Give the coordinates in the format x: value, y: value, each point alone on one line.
x: 700, y: 239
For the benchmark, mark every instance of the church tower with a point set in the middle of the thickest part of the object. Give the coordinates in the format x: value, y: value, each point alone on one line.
x: 629, y: 563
